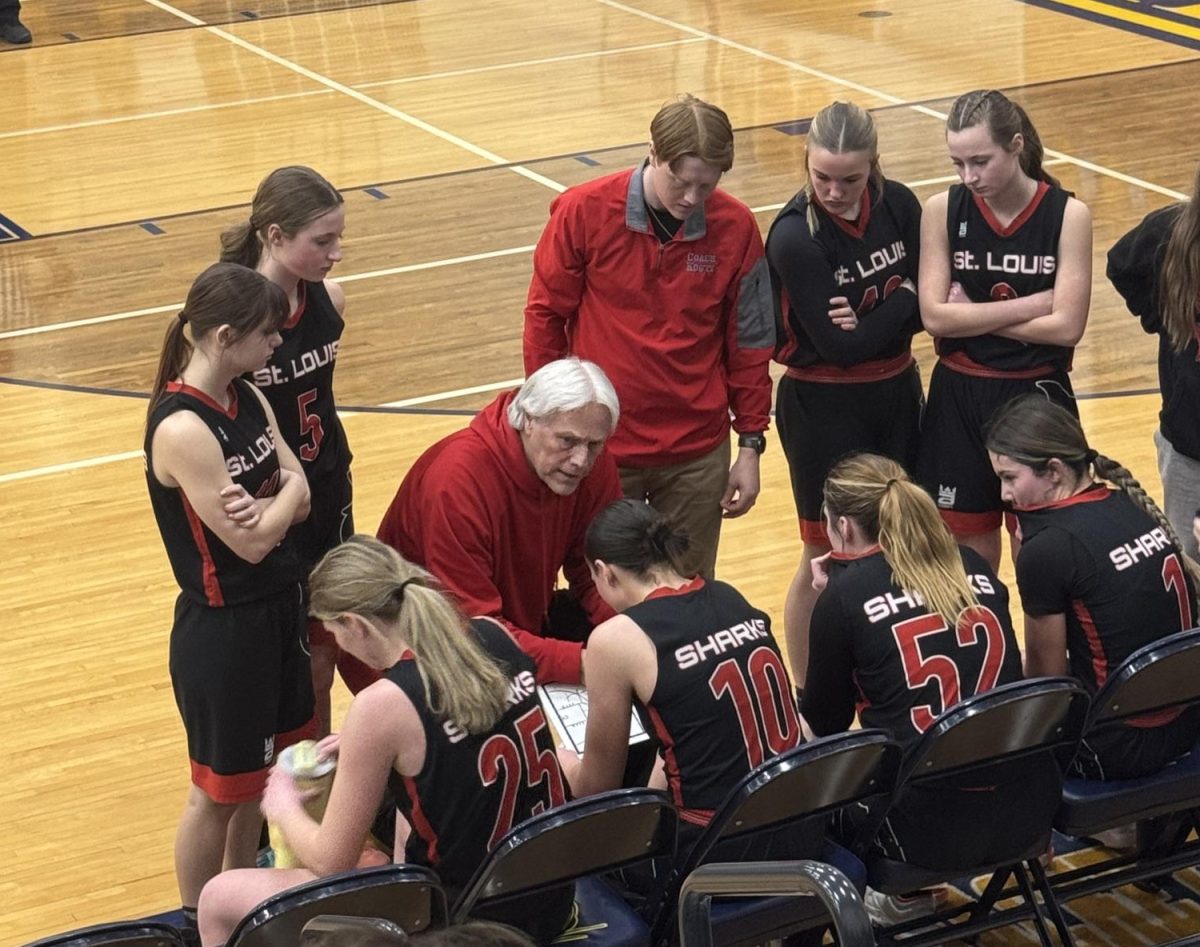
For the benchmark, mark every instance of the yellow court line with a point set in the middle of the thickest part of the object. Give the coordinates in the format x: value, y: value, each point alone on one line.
x: 1134, y: 16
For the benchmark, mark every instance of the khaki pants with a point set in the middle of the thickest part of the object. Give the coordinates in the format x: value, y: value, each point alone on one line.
x: 690, y: 494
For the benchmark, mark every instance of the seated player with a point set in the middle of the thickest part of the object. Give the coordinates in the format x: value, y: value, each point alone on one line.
x: 456, y: 693
x: 719, y: 704
x: 908, y: 623
x: 1101, y: 574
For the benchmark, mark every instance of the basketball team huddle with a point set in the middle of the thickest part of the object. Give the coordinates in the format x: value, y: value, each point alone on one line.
x: 654, y: 312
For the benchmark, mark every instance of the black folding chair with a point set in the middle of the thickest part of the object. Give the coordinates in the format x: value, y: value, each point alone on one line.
x: 810, y: 782
x: 841, y: 900
x: 409, y: 896
x: 1023, y: 732
x: 1160, y: 676
x: 119, y: 934
x: 572, y: 844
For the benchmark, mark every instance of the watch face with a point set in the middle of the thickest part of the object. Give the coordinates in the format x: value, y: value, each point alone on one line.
x: 757, y: 442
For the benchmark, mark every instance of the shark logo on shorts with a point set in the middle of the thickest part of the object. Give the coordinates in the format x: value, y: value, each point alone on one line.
x: 962, y: 228
x: 946, y: 496
x: 268, y: 750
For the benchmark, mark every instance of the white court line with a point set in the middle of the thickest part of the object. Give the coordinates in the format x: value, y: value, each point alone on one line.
x: 457, y: 393
x: 165, y: 113
x: 72, y: 465
x: 886, y: 96
x: 353, y: 277
x: 191, y: 109
x: 525, y: 63
x: 362, y: 97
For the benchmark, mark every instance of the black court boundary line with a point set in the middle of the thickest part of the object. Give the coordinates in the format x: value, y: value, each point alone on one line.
x: 145, y: 396
x: 607, y: 149
x: 1117, y: 23
x: 184, y: 25
x: 383, y: 409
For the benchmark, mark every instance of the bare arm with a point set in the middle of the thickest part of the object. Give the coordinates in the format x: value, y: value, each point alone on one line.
x: 380, y: 720
x: 337, y: 296
x: 1045, y: 645
x: 952, y: 320
x: 618, y: 653
x: 1065, y: 323
x: 187, y: 456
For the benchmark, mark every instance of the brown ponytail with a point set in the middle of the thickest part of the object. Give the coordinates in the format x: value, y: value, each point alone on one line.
x: 1179, y: 278
x: 290, y: 197
x: 1004, y: 119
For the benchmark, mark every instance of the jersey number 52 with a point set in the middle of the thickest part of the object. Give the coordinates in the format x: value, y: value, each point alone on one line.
x: 976, y: 626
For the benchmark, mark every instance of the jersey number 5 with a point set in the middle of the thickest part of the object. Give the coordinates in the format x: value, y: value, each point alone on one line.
x: 525, y: 763
x: 763, y: 704
x: 919, y: 669
x: 310, y: 426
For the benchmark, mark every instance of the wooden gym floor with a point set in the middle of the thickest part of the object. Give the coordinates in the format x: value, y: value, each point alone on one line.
x: 133, y: 131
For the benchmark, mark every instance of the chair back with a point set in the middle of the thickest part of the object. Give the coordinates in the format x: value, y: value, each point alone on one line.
x: 1040, y: 715
x: 120, y: 934
x: 812, y: 779
x: 407, y: 895
x: 1165, y: 673
x: 601, y: 833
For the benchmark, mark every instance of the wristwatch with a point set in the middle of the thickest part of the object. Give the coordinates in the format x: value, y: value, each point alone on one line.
x: 756, y: 442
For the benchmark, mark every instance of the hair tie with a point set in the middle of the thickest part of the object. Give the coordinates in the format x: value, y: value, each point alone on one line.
x: 890, y: 481
x: 405, y: 584
x: 182, y: 318
x: 1090, y: 456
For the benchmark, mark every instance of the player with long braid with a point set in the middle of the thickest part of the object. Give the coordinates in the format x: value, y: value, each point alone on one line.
x: 1101, y: 573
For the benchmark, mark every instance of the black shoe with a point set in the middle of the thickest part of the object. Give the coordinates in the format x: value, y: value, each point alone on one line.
x: 14, y: 31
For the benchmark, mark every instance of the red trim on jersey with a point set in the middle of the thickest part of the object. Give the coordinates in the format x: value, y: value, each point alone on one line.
x: 965, y: 365
x: 814, y: 533
x: 231, y: 412
x: 851, y: 556
x: 879, y: 370
x: 856, y: 228
x: 971, y: 524
x: 671, y: 767
x: 1095, y: 645
x: 208, y: 568
x: 1090, y: 494
x: 229, y: 789
x: 1160, y: 718
x: 1000, y: 229
x: 301, y: 302
x: 420, y: 824
x: 666, y: 591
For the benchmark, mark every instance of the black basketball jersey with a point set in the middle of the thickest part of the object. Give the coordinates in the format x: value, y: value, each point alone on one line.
x: 474, y: 788
x: 876, y: 648
x: 298, y: 383
x: 865, y: 261
x: 1111, y: 570
x: 993, y: 262
x: 723, y: 701
x: 206, y: 569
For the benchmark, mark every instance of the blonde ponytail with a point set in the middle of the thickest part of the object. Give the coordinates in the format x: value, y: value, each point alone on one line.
x: 369, y: 578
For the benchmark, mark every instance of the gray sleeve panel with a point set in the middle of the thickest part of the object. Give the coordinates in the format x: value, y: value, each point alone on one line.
x: 755, y: 309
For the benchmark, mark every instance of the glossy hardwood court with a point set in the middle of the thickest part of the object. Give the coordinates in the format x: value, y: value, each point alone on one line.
x: 133, y: 131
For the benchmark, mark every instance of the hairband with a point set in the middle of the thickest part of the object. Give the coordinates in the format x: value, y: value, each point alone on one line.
x: 403, y: 585
x: 182, y: 318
